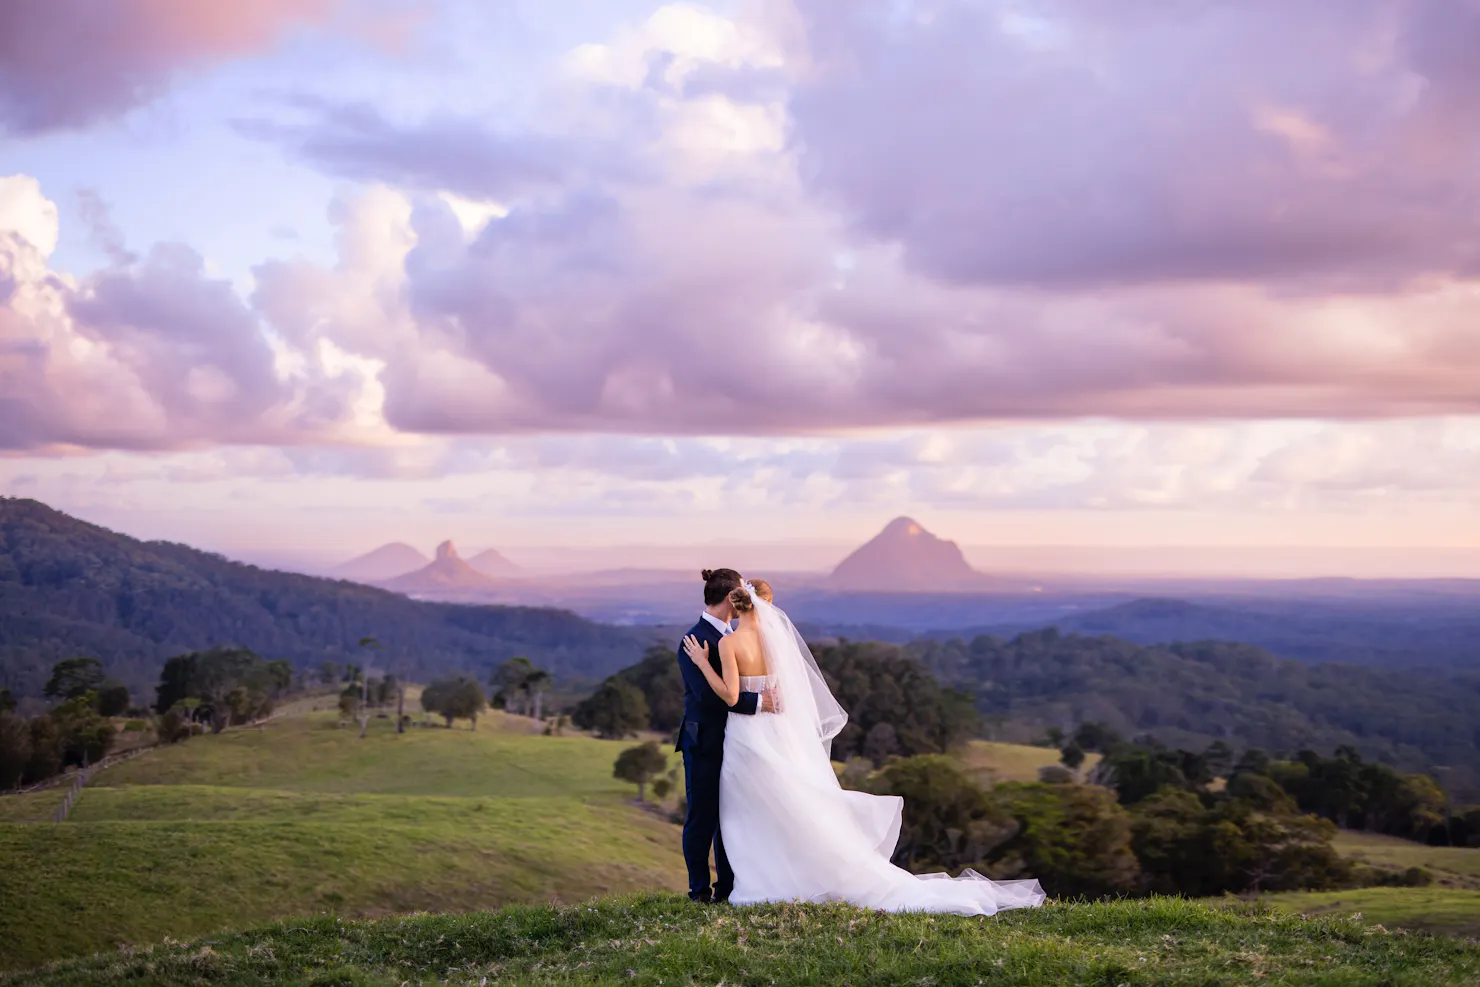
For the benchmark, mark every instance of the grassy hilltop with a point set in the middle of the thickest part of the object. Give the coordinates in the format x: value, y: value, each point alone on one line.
x: 302, y: 818
x: 663, y: 939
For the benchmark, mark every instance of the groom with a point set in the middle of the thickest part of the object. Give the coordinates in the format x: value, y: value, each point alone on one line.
x: 701, y: 738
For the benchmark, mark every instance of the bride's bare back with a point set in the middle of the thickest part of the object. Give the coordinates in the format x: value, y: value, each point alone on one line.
x: 744, y: 645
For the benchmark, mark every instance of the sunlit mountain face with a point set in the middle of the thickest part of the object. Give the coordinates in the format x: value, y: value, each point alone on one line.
x: 627, y: 284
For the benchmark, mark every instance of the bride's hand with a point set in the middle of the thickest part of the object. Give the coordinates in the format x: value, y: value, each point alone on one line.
x: 697, y: 652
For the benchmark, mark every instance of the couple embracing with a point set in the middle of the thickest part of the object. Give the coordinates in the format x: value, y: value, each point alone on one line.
x: 756, y: 739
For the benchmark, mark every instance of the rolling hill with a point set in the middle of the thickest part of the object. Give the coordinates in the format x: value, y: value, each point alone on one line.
x: 303, y: 817
x: 71, y: 588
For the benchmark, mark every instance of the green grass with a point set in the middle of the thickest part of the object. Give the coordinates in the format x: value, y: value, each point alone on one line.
x: 663, y: 939
x: 992, y: 761
x: 1447, y: 911
x: 305, y: 818
x: 310, y: 753
x: 1451, y: 866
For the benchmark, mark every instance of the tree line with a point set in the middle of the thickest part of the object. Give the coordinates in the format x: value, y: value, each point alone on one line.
x: 894, y: 705
x: 517, y: 685
x: 71, y: 588
x: 1191, y: 694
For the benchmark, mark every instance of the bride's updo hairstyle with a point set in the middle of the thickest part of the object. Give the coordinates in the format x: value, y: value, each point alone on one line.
x: 742, y: 601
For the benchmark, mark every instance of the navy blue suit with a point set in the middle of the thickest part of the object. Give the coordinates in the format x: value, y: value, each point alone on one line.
x: 701, y: 738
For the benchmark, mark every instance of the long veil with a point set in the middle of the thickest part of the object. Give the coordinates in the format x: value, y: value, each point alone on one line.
x: 808, y: 711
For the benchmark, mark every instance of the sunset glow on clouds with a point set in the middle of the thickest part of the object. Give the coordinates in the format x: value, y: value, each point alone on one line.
x: 818, y: 262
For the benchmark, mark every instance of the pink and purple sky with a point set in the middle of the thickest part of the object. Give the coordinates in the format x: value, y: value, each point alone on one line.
x: 311, y: 275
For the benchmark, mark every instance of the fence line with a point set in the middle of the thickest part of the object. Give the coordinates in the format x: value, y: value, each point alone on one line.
x: 78, y: 780
x: 83, y: 775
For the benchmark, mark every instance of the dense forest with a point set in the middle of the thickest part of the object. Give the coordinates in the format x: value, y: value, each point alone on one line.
x: 68, y: 589
x: 1189, y: 695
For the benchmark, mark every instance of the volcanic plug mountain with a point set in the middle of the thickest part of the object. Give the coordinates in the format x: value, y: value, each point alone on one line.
x: 904, y: 556
x: 448, y: 572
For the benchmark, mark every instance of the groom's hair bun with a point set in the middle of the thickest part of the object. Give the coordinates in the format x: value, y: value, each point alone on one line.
x: 718, y: 584
x: 741, y: 601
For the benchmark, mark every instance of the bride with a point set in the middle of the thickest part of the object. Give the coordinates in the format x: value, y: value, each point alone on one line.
x: 792, y: 832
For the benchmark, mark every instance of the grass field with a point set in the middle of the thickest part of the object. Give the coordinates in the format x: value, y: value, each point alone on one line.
x: 663, y: 939
x: 991, y: 761
x: 1447, y: 911
x: 1454, y: 867
x: 303, y: 817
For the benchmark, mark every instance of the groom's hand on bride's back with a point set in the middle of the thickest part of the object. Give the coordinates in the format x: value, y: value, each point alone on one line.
x: 770, y: 701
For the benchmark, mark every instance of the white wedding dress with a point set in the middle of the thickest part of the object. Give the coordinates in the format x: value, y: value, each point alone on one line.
x: 793, y: 833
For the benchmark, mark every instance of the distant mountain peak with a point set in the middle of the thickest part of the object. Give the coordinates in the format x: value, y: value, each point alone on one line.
x: 447, y: 573
x: 385, y: 562
x: 905, y: 556
x: 491, y: 562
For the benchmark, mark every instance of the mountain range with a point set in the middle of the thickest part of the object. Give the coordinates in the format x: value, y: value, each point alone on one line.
x: 444, y: 577
x: 396, y: 561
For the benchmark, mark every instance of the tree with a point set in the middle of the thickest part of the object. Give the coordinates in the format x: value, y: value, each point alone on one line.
x: 639, y: 765
x: 329, y: 673
x: 618, y: 709
x: 466, y: 701
x: 538, y: 681
x: 212, y: 677
x: 658, y: 679
x: 455, y: 699
x: 508, y: 682
x: 172, y: 726
x: 72, y: 678
x: 880, y: 743
x: 7, y: 701
x: 1187, y: 847
x: 364, y: 676
x: 46, y: 750
x: 948, y: 822
x: 1074, y: 838
x: 85, y: 736
x: 881, y: 683
x: 15, y: 749
x: 1092, y: 736
x: 1072, y: 756
x: 433, y: 695
x: 113, y: 698
x: 1219, y: 759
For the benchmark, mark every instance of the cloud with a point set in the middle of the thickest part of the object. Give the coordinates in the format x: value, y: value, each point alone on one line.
x: 1093, y: 143
x: 869, y: 248
x: 150, y: 353
x: 68, y: 63
x: 357, y: 141
x: 818, y: 218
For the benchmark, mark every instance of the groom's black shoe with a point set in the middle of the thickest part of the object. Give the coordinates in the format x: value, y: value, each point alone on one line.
x: 700, y: 897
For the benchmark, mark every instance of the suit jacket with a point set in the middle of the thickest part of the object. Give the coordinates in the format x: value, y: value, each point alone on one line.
x: 704, y: 712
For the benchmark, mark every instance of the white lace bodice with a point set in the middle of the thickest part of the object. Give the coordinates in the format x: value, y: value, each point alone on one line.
x: 757, y: 683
